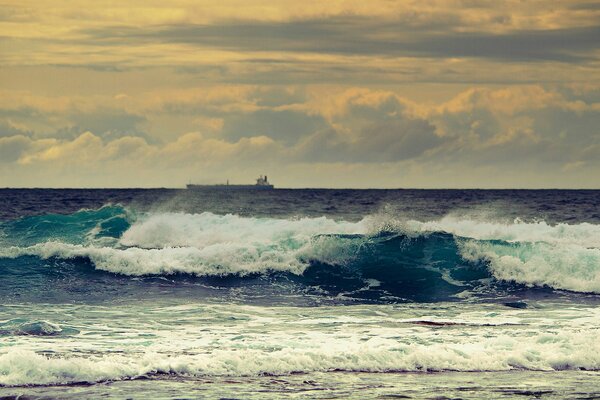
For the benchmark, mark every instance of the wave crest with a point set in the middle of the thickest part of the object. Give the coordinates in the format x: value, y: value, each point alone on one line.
x: 398, y: 253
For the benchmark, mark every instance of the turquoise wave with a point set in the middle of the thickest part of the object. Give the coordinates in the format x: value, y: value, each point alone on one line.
x: 98, y: 250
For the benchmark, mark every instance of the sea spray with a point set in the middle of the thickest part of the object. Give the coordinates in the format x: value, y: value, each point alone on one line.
x: 451, y: 251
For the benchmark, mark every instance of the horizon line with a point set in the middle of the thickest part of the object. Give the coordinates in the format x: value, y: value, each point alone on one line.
x: 296, y: 188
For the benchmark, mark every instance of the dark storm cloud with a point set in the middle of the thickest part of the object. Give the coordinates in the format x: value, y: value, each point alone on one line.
x: 25, y: 120
x: 552, y: 136
x: 585, y: 6
x: 12, y: 147
x: 367, y: 36
x: 387, y: 141
x: 570, y: 136
x: 20, y: 112
x: 9, y: 130
x: 284, y: 126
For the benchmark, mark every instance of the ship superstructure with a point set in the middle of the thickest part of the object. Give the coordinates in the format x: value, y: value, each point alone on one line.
x: 262, y: 183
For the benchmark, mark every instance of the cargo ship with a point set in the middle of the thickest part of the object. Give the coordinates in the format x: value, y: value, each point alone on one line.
x: 262, y: 183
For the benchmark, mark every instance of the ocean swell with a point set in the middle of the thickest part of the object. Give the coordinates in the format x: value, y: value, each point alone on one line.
x: 401, y: 254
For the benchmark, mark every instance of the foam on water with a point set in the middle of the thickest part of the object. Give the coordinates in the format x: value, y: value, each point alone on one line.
x: 560, y: 256
x: 229, y: 301
x: 207, y: 229
x: 566, y: 350
x: 566, y: 266
x: 583, y: 234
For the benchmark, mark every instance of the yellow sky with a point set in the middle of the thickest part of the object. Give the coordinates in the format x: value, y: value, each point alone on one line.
x: 337, y: 93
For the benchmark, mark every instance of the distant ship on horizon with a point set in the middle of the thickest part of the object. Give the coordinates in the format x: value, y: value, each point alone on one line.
x: 262, y: 183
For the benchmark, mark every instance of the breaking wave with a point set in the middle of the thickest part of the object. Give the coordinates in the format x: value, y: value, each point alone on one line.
x: 568, y: 350
x: 393, y: 254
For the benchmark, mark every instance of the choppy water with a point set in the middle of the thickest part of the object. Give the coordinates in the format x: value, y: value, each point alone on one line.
x: 306, y: 293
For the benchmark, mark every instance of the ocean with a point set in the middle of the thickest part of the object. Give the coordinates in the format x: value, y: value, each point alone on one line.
x: 307, y: 293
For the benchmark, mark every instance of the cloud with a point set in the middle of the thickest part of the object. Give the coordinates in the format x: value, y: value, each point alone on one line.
x: 391, y: 92
x: 12, y: 147
x: 358, y: 35
x: 389, y: 141
x: 197, y: 150
x: 286, y: 126
x: 63, y: 116
x: 366, y: 126
x: 526, y: 125
x: 108, y: 122
x: 339, y: 41
x: 83, y: 149
x: 548, y: 131
x: 9, y: 128
x: 90, y: 149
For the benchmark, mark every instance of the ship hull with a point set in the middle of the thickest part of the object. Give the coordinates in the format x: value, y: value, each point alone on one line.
x: 230, y: 187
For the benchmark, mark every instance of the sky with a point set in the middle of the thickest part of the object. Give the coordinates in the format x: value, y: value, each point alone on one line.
x: 362, y: 94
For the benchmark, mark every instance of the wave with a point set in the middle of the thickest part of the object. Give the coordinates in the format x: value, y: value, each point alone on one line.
x: 401, y: 255
x: 569, y: 267
x: 24, y: 327
x: 85, y: 226
x: 567, y: 350
x: 201, y: 244
x: 583, y: 234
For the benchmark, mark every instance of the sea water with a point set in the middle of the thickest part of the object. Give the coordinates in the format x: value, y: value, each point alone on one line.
x: 299, y: 293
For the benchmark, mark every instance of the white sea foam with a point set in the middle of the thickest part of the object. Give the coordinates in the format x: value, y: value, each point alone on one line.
x: 209, y: 244
x: 584, y: 234
x: 207, y: 229
x: 565, y: 266
x: 216, y: 260
x: 567, y: 350
x: 562, y: 256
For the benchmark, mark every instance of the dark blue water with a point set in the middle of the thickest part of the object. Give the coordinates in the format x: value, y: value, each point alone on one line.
x: 553, y: 206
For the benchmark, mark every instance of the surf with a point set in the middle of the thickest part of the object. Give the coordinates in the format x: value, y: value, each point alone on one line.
x: 223, y: 340
x: 378, y: 255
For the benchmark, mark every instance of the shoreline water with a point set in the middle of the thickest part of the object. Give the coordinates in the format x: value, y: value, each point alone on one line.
x: 415, y: 385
